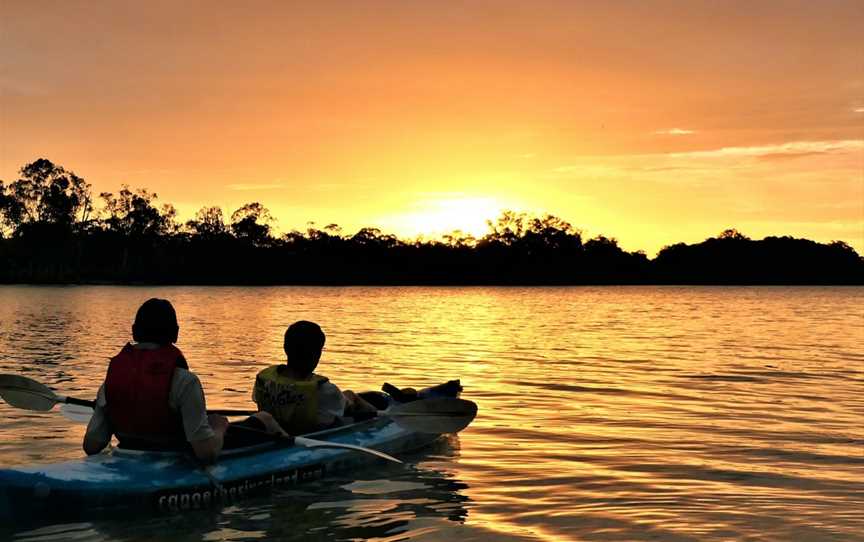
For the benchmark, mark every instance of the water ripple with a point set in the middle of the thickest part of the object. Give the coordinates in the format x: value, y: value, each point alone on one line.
x: 615, y: 413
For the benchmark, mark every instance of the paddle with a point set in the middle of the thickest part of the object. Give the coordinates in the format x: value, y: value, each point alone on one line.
x: 437, y: 415
x: 22, y: 392
x: 26, y: 393
x: 313, y: 443
x: 434, y: 415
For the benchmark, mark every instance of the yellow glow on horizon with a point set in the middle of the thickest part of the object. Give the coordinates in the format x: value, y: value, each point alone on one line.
x: 435, y: 217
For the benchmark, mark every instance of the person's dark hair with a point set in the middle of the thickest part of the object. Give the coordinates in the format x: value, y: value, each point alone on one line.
x: 155, y: 322
x: 303, y: 344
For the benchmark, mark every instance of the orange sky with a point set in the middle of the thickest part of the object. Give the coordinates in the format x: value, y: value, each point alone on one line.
x: 651, y: 121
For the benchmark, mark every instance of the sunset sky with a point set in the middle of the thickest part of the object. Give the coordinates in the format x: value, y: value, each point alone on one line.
x: 649, y: 121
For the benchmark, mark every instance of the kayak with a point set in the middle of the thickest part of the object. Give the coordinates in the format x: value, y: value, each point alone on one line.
x: 173, y: 481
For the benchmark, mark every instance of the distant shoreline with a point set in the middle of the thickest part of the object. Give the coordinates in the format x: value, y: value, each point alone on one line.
x: 54, y: 234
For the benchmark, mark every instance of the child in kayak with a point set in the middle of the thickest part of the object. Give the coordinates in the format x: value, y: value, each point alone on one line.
x: 150, y: 399
x: 300, y: 400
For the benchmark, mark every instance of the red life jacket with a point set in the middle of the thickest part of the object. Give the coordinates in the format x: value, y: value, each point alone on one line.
x: 136, y: 389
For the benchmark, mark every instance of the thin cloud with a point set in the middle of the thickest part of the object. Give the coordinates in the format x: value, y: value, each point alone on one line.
x: 675, y: 132
x: 789, y: 155
x: 858, y: 110
x: 661, y: 169
x: 849, y: 204
x: 783, y: 150
x: 585, y: 171
x: 243, y: 187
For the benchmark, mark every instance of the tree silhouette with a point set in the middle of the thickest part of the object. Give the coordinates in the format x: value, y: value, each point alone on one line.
x: 507, y: 229
x: 208, y: 223
x: 458, y: 239
x: 733, y: 258
x: 45, y: 194
x: 251, y: 223
x: 134, y: 214
x: 47, y: 234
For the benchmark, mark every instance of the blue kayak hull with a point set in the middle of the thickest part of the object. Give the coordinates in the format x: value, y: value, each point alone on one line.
x: 166, y: 482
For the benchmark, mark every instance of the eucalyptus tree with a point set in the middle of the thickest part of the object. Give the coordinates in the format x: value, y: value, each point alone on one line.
x: 45, y: 194
x: 251, y: 223
x: 135, y: 214
x: 208, y: 223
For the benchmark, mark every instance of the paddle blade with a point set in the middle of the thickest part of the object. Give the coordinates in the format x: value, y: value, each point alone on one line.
x: 435, y: 415
x: 22, y: 392
x: 76, y: 413
x: 312, y: 443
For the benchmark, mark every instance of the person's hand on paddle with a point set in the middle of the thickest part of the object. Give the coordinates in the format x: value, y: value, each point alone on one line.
x: 218, y: 422
x: 357, y: 406
x: 207, y: 450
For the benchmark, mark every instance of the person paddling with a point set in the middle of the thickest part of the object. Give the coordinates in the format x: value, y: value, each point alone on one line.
x: 298, y: 398
x: 151, y: 400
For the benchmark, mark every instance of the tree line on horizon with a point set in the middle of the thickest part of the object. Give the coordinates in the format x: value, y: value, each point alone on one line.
x: 54, y: 232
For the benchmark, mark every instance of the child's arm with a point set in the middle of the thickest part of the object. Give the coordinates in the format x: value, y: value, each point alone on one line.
x: 331, y: 405
x: 357, y: 405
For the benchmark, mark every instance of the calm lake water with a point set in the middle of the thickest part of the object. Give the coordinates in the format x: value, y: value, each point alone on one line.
x: 611, y: 413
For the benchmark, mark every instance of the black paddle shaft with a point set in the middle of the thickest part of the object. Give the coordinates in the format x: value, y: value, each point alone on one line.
x: 80, y: 402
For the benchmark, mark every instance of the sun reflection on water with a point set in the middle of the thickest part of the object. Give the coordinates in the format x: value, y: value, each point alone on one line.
x: 605, y: 413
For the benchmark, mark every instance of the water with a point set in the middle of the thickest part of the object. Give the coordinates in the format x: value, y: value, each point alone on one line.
x: 633, y: 413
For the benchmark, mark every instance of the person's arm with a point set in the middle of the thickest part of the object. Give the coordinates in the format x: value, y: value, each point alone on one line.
x: 255, y: 391
x: 358, y: 406
x: 204, y: 433
x: 331, y: 405
x: 98, y: 434
x: 208, y: 449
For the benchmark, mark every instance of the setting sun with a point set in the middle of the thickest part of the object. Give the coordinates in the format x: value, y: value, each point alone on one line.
x: 435, y: 217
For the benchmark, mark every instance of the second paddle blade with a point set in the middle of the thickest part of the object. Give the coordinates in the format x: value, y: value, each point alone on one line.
x: 435, y: 415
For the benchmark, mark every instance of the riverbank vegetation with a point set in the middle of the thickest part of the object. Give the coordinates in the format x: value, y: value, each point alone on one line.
x: 55, y: 231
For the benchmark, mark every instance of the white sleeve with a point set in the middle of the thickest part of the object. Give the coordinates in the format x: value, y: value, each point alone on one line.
x: 331, y: 404
x: 187, y: 397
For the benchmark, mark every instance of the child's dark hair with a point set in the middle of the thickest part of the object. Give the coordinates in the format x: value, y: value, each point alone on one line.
x: 155, y: 322
x: 303, y: 344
